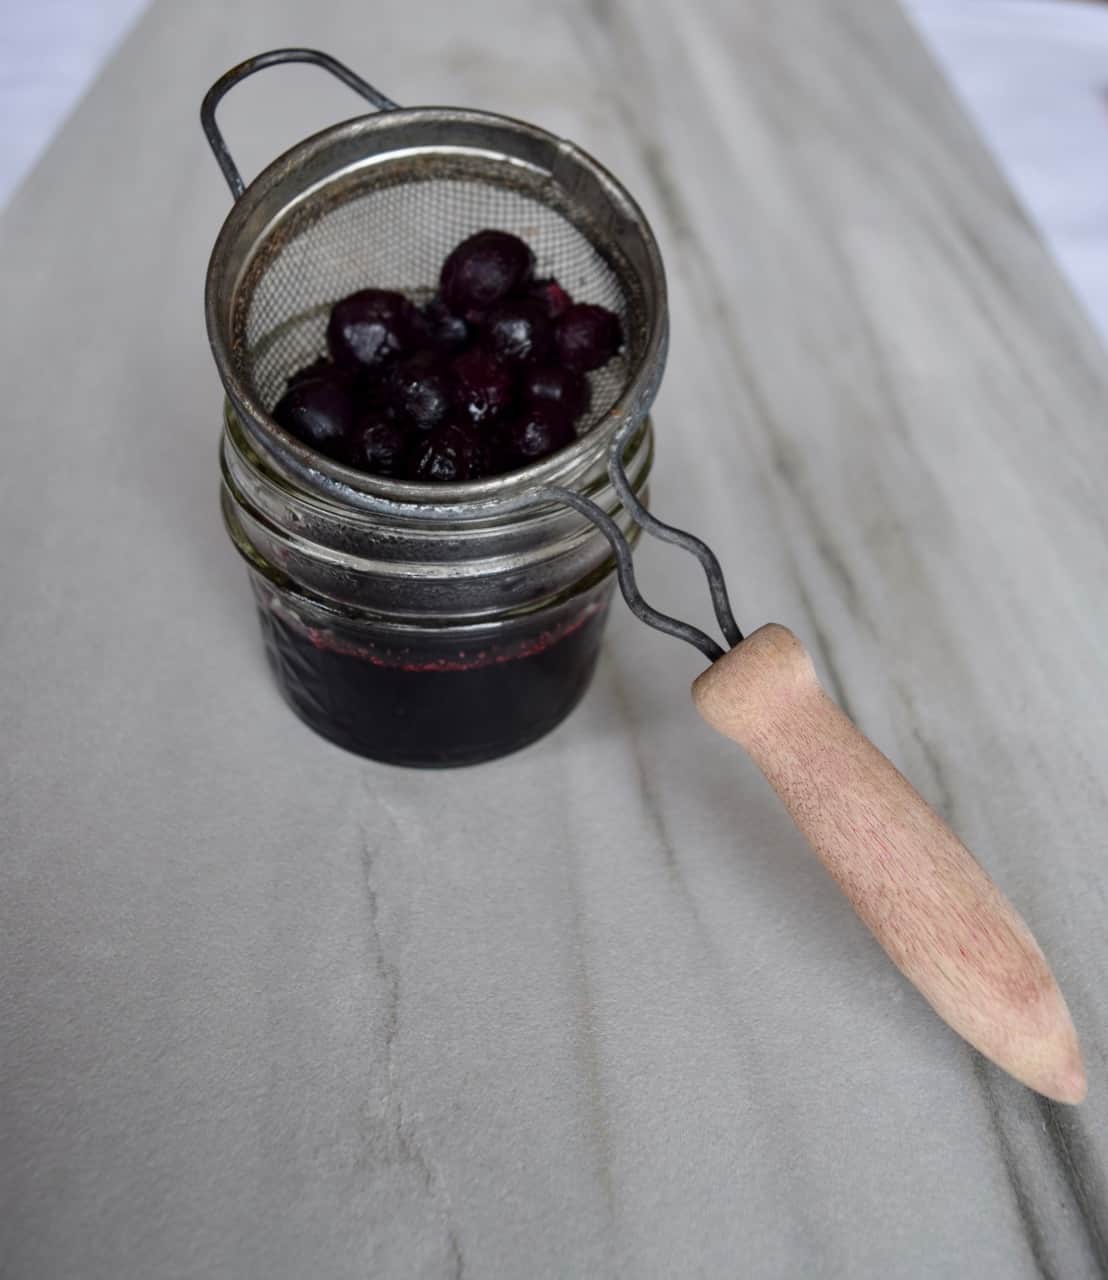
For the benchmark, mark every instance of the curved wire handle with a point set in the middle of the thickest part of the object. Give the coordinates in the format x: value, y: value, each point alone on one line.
x: 621, y: 549
x: 258, y: 63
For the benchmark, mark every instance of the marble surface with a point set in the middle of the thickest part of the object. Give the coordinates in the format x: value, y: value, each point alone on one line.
x: 1033, y: 76
x: 270, y: 1010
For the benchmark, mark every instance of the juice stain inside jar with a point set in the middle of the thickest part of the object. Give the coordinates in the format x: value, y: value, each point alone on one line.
x: 430, y: 706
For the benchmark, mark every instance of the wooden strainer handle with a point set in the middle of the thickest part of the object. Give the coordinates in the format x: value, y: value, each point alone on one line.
x: 927, y: 900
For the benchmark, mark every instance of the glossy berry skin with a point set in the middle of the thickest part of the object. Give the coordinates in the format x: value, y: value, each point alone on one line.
x: 372, y: 390
x: 482, y: 386
x: 554, y: 385
x: 487, y: 376
x: 444, y: 455
x: 320, y: 368
x: 319, y: 412
x: 446, y: 332
x: 378, y: 445
x: 482, y: 444
x: 540, y: 430
x: 484, y: 449
x: 483, y: 271
x: 519, y: 331
x: 551, y: 296
x: 587, y: 336
x: 419, y: 389
x: 370, y: 327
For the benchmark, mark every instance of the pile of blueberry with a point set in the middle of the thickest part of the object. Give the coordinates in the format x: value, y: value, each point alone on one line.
x: 486, y: 377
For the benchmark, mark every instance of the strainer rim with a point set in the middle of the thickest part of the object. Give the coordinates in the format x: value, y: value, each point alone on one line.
x: 360, y: 489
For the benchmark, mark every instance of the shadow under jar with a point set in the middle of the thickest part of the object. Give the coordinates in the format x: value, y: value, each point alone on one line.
x: 420, y: 624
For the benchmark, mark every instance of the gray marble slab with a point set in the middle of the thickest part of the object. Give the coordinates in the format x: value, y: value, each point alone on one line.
x: 270, y: 1010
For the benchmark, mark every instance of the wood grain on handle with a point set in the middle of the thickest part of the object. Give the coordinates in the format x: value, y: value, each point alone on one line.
x: 929, y: 903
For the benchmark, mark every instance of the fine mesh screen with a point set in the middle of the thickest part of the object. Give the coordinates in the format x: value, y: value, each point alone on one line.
x: 390, y: 226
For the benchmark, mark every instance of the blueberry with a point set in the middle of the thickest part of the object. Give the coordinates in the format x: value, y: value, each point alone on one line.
x: 373, y: 390
x: 519, y: 330
x: 378, y: 445
x: 482, y: 386
x: 587, y: 336
x: 318, y: 411
x: 555, y: 385
x: 551, y: 296
x: 483, y: 271
x: 540, y: 430
x: 419, y: 389
x: 320, y: 368
x: 368, y: 327
x: 445, y: 330
x: 445, y: 454
x: 484, y: 449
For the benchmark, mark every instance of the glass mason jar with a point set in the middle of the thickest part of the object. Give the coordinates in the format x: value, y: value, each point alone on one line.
x: 414, y: 623
x: 427, y: 641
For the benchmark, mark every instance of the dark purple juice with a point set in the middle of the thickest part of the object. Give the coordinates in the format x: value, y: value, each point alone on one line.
x: 435, y: 703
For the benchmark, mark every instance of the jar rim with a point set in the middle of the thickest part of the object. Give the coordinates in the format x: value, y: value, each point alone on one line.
x: 495, y: 559
x: 413, y: 624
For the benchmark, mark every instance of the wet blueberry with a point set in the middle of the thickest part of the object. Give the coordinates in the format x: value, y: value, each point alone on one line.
x: 587, y: 336
x: 371, y: 326
x: 519, y: 330
x: 373, y: 390
x: 444, y: 455
x: 378, y: 445
x: 445, y: 330
x: 540, y: 430
x: 555, y: 385
x: 320, y: 368
x: 483, y: 271
x: 487, y: 376
x: 419, y: 389
x: 482, y: 386
x: 552, y: 297
x: 319, y: 412
x: 484, y: 449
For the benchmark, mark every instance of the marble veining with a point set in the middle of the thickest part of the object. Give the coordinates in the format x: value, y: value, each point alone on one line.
x: 592, y: 1010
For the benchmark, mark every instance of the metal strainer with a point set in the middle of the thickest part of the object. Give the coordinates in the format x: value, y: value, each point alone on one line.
x: 380, y: 201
